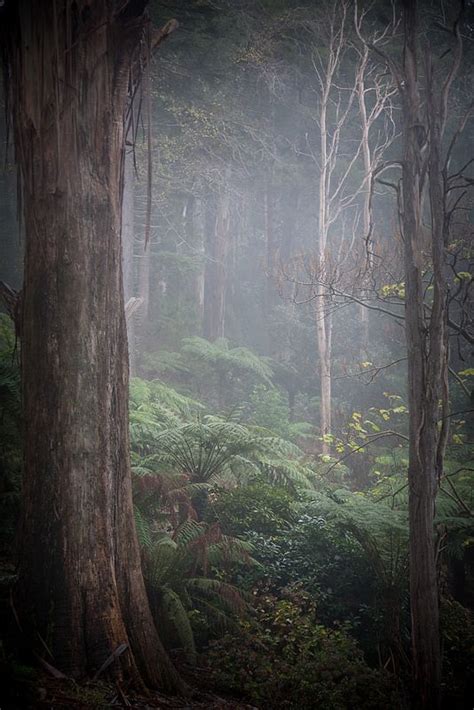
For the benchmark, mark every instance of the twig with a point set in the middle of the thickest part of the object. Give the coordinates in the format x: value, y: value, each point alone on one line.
x: 118, y: 652
x: 373, y: 438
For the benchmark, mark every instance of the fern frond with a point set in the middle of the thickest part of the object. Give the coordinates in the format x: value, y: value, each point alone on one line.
x: 218, y: 354
x: 143, y: 529
x: 173, y: 612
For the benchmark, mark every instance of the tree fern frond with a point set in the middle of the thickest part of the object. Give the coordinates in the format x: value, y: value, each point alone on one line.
x: 143, y: 529
x: 173, y: 612
x: 188, y: 531
x: 215, y: 590
x: 220, y: 355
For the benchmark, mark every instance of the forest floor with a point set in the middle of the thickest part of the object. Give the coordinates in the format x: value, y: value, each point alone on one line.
x: 25, y: 688
x: 52, y: 694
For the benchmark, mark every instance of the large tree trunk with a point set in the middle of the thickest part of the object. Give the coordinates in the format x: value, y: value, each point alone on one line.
x: 427, y: 365
x: 80, y: 585
x: 128, y: 244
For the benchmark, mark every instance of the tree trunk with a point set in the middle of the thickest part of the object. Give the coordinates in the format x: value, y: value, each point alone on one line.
x: 215, y: 285
x: 364, y: 312
x: 323, y: 330
x: 141, y: 317
x: 427, y: 363
x: 80, y: 585
x: 128, y: 240
x: 199, y: 227
x: 270, y: 245
x: 323, y: 325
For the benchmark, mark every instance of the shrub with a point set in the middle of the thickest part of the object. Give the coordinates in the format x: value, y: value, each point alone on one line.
x: 285, y: 659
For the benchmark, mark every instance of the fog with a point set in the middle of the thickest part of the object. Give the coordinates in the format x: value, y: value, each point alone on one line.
x: 287, y: 220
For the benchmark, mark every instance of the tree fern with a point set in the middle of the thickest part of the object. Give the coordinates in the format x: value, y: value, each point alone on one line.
x: 212, y: 449
x: 178, y: 572
x: 381, y: 530
x: 173, y: 613
x: 219, y: 355
x: 143, y: 529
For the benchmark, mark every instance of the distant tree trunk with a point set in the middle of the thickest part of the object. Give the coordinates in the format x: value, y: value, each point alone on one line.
x: 364, y: 312
x: 270, y: 259
x: 141, y: 317
x: 215, y: 272
x: 290, y: 228
x: 323, y: 323
x: 270, y: 242
x: 80, y: 586
x: 324, y: 339
x: 199, y: 230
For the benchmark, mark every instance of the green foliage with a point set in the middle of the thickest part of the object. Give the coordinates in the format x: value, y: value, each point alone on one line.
x: 170, y: 439
x: 381, y: 530
x: 258, y: 507
x: 227, y: 360
x: 154, y: 406
x: 457, y: 632
x: 286, y: 659
x: 214, y: 450
x: 185, y: 592
x: 329, y: 564
x: 454, y: 506
x: 268, y: 408
x: 163, y: 362
x: 201, y: 479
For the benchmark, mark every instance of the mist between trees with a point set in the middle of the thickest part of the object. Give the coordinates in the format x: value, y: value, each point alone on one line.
x: 270, y: 206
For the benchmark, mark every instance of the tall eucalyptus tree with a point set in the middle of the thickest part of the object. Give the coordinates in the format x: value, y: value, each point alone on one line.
x: 69, y: 66
x: 427, y: 205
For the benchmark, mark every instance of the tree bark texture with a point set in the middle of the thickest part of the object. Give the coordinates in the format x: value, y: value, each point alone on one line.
x: 427, y: 364
x: 323, y: 322
x: 80, y: 585
x: 128, y: 244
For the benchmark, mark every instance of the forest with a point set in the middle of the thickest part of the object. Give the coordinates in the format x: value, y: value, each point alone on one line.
x: 236, y: 354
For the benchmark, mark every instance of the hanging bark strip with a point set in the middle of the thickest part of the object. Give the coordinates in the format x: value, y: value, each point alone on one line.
x: 80, y: 581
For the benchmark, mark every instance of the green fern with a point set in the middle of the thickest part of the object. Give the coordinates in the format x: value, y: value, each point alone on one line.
x: 380, y: 529
x: 173, y: 613
x: 178, y: 571
x: 214, y: 450
x: 220, y: 356
x: 143, y: 528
